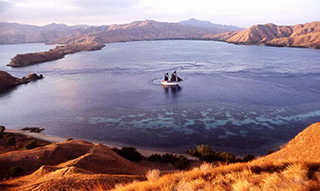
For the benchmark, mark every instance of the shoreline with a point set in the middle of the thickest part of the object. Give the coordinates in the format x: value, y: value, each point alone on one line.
x: 55, y: 139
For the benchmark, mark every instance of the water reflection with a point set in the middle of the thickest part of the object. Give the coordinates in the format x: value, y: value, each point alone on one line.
x: 172, y: 91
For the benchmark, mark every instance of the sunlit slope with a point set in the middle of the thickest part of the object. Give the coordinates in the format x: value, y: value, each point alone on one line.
x: 295, y: 167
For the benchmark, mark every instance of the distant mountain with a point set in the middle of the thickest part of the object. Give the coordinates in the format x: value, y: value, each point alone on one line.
x: 141, y: 30
x: 207, y: 24
x: 137, y: 30
x: 11, y: 33
x: 300, y: 35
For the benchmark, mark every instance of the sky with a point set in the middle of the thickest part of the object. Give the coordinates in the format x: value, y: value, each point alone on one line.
x: 242, y: 13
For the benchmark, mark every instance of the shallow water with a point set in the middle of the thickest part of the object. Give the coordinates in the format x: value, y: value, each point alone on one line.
x: 245, y: 99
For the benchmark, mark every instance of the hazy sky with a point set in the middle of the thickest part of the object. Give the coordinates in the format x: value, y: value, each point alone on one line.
x: 243, y: 13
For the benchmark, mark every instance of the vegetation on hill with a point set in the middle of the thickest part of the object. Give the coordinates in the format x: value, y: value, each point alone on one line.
x: 79, y: 165
x: 294, y: 167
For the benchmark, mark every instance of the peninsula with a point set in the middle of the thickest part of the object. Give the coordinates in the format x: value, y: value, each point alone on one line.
x: 8, y: 81
x: 82, y: 44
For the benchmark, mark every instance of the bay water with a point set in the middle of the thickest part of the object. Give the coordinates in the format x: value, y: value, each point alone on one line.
x: 244, y: 99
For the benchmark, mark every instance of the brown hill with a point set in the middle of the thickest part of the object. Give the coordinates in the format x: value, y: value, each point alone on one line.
x: 96, y: 167
x: 144, y: 30
x: 73, y: 163
x: 18, y: 33
x: 304, y: 147
x: 307, y: 35
x: 256, y: 34
x: 300, y: 35
x: 137, y: 30
x: 295, y: 167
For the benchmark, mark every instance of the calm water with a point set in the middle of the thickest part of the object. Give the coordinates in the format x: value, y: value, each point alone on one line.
x: 245, y: 99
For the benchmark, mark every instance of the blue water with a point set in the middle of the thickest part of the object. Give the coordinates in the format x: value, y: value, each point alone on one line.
x: 244, y: 99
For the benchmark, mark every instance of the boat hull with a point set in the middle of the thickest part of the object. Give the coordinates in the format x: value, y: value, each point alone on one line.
x: 167, y: 83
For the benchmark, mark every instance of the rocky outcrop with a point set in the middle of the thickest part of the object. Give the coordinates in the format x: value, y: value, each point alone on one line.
x: 306, y: 35
x: 34, y: 76
x: 83, y: 44
x: 8, y: 81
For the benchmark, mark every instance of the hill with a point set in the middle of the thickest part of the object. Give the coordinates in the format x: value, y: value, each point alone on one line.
x: 142, y: 30
x: 295, y: 167
x: 300, y: 35
x: 12, y: 33
x: 208, y: 24
x: 80, y: 165
x: 307, y: 35
x: 69, y: 165
x: 137, y: 30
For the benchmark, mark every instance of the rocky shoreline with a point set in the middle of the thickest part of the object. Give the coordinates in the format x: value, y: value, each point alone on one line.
x: 82, y: 44
x: 7, y: 81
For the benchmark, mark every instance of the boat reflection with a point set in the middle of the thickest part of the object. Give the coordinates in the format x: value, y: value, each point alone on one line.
x: 172, y: 91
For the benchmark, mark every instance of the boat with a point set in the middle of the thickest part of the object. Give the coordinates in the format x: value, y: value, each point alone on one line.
x: 175, y: 79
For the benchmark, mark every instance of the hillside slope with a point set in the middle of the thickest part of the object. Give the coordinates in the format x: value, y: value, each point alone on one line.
x: 12, y: 33
x: 295, y: 167
x: 137, y: 30
x: 307, y: 35
x: 79, y: 165
x: 199, y: 23
x: 300, y: 35
x: 304, y: 147
x: 144, y: 30
x: 70, y: 165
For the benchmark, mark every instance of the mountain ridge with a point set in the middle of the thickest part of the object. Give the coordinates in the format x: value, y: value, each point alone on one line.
x: 11, y: 33
x: 208, y: 24
x: 299, y: 35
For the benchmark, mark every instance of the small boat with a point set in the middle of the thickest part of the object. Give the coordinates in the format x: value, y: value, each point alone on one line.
x: 175, y: 79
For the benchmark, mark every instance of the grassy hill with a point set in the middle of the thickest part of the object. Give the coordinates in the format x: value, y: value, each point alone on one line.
x: 295, y: 167
x: 80, y: 165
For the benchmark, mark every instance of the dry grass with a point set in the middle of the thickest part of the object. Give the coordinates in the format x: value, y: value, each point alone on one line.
x: 153, y: 175
x: 298, y: 176
x: 296, y: 167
